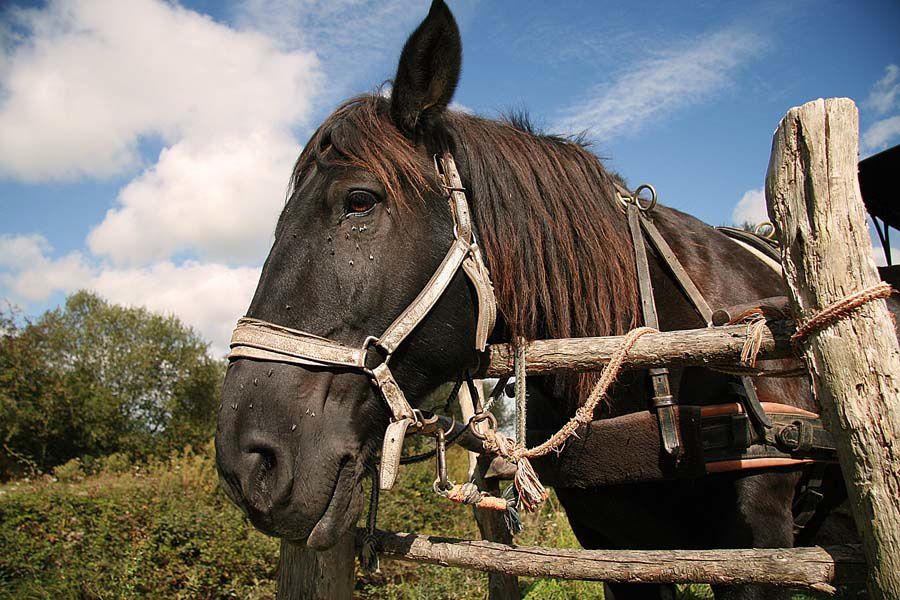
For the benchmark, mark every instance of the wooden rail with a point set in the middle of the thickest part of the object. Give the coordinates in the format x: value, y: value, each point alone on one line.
x: 697, y: 347
x: 815, y: 568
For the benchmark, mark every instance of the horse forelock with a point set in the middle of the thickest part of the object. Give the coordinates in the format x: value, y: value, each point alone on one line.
x: 359, y: 134
x: 553, y: 233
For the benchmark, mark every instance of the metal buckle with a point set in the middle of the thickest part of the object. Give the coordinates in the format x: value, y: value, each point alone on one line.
x: 796, y: 437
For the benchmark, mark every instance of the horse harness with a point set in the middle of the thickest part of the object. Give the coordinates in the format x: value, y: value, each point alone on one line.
x: 696, y: 440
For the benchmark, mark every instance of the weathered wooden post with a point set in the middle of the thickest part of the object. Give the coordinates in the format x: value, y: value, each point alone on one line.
x: 304, y: 574
x: 501, y: 586
x: 491, y: 524
x: 814, y: 201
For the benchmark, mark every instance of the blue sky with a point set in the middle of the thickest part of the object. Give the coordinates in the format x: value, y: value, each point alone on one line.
x: 145, y: 146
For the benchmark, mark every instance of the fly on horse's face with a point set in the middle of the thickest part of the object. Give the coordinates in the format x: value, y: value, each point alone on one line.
x: 365, y: 227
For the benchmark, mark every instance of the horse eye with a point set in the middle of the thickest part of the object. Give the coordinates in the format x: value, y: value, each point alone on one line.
x: 360, y: 201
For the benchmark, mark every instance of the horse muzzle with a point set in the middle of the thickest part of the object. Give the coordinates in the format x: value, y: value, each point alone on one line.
x: 288, y: 448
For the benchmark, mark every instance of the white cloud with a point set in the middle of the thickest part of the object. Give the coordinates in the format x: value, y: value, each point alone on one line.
x: 680, y: 76
x: 881, y: 133
x: 19, y: 251
x: 886, y: 92
x: 209, y: 297
x: 206, y: 296
x: 29, y: 274
x: 84, y: 82
x: 884, y: 98
x: 219, y: 198
x: 95, y: 76
x: 751, y: 208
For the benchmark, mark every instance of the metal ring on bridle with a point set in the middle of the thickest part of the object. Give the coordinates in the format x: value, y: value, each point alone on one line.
x: 765, y: 229
x: 372, y: 343
x: 636, y: 197
x: 476, y: 419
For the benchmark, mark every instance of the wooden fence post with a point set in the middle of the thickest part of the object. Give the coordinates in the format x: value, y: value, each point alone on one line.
x: 305, y: 574
x: 814, y: 201
x: 491, y: 524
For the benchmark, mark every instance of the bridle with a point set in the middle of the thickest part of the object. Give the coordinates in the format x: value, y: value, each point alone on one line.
x: 261, y: 340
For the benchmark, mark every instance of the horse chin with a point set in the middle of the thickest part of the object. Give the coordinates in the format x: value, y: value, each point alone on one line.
x: 340, y: 515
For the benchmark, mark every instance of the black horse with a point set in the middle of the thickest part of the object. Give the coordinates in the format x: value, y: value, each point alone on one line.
x: 365, y: 226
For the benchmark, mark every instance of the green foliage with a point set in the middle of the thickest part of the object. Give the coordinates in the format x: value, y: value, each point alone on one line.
x: 92, y: 378
x: 69, y: 472
x: 162, y: 531
x: 165, y: 530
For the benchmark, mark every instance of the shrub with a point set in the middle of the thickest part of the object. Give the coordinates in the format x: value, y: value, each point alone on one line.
x: 92, y: 379
x: 69, y: 472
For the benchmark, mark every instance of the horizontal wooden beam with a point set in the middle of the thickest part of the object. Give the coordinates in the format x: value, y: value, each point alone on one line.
x: 814, y: 568
x: 692, y: 347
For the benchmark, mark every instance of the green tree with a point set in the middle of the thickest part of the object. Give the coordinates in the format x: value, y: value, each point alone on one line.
x: 93, y: 378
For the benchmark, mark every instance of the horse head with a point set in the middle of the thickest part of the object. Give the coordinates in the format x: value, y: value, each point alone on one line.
x: 366, y: 226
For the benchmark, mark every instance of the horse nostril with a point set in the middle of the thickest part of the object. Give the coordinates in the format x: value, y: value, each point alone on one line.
x: 268, y: 481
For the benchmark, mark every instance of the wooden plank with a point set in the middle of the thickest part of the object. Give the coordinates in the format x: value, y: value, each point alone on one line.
x: 814, y: 568
x: 697, y: 347
x: 814, y: 202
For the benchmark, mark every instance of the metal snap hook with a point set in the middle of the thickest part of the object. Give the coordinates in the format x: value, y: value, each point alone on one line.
x: 440, y: 462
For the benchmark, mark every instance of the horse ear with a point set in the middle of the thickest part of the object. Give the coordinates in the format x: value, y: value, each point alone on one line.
x: 428, y: 71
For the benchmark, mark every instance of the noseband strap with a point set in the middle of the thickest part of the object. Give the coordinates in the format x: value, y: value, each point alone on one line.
x: 260, y: 340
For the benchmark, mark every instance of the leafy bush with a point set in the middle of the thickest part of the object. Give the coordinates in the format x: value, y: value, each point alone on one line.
x: 69, y: 472
x: 161, y: 531
x: 165, y: 530
x: 91, y: 379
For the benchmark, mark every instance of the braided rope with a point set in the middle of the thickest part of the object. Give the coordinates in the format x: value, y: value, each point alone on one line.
x: 504, y: 446
x: 840, y: 309
x: 521, y: 391
x: 756, y: 320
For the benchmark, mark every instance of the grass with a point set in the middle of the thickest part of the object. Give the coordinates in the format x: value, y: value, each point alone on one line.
x: 166, y: 531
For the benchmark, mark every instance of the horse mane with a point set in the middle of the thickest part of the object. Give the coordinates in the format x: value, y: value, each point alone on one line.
x: 552, y: 230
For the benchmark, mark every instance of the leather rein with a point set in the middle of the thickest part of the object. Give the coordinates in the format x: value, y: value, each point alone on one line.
x: 261, y: 340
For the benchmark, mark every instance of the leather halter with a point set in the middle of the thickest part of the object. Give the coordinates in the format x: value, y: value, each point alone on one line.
x: 260, y: 340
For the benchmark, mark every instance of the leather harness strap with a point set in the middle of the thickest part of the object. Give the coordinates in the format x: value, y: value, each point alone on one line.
x: 261, y: 340
x: 663, y: 400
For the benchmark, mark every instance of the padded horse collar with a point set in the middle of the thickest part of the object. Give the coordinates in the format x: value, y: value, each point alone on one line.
x: 260, y: 340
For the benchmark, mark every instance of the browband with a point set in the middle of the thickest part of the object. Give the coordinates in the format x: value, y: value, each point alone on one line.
x: 260, y: 340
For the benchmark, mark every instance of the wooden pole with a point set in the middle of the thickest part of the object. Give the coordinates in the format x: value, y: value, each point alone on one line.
x: 305, y: 574
x: 709, y: 346
x: 813, y: 197
x: 814, y: 568
x: 492, y: 525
